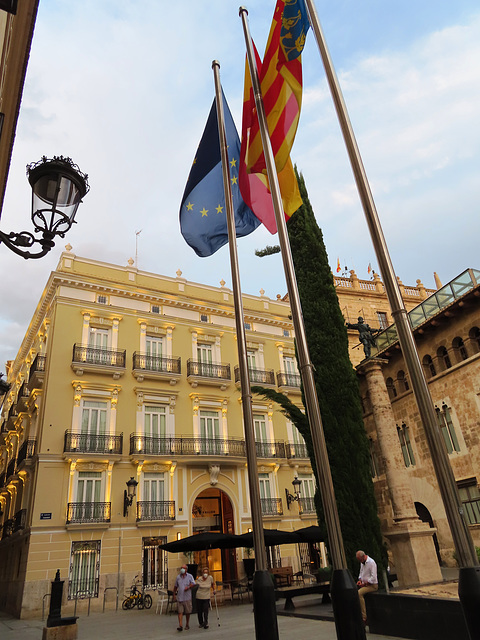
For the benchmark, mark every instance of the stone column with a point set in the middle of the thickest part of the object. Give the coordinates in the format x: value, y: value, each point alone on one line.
x: 411, y: 540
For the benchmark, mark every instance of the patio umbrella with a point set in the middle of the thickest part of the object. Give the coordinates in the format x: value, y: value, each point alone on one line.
x: 272, y: 537
x: 201, y: 541
x: 310, y: 534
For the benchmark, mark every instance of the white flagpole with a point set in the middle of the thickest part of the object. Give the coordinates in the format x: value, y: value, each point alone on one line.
x: 344, y: 592
x: 266, y: 627
x: 469, y: 582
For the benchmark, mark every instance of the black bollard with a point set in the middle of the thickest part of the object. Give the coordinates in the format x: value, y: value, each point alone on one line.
x: 264, y: 608
x: 346, y: 606
x: 55, y: 612
x: 469, y: 594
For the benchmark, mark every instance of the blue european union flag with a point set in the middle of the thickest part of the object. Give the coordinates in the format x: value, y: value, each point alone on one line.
x: 203, y: 220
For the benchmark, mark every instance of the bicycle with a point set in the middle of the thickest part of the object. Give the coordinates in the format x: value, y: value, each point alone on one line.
x: 137, y: 598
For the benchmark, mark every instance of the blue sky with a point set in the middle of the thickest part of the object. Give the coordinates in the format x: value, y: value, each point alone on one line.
x: 125, y: 87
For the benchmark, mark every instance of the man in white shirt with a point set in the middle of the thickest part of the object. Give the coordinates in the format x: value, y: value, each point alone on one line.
x: 367, y: 580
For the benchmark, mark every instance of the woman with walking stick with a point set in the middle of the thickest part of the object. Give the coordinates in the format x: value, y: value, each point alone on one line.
x: 205, y: 584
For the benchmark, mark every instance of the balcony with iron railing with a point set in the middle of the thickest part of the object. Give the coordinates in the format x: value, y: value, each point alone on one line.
x: 185, y: 446
x: 271, y: 506
x: 37, y: 372
x: 107, y: 361
x: 307, y: 505
x: 160, y: 510
x: 296, y: 450
x: 208, y: 373
x: 23, y: 395
x: 11, y: 468
x: 8, y: 526
x: 257, y: 376
x: 156, y: 367
x: 27, y: 451
x: 88, y: 512
x: 274, y: 449
x: 88, y: 443
x: 20, y: 520
x: 288, y: 380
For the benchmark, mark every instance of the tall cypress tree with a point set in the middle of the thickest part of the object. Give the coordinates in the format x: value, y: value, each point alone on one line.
x: 337, y: 389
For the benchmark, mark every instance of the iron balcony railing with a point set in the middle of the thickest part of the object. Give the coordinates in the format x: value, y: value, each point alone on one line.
x: 272, y: 506
x: 288, y: 380
x: 37, y: 365
x: 296, y: 450
x: 27, y: 450
x: 257, y: 376
x: 187, y: 446
x: 307, y: 505
x: 159, y: 364
x: 2, y: 479
x: 270, y: 449
x: 84, y: 512
x: 92, y: 443
x: 161, y: 510
x: 8, y: 526
x: 20, y: 519
x: 23, y: 392
x: 11, y: 468
x: 83, y: 353
x: 208, y: 370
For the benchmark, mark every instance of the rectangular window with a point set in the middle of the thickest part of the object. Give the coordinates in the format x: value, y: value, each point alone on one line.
x: 155, y: 421
x: 470, y: 497
x: 155, y: 308
x: 307, y: 492
x: 264, y: 482
x: 98, y: 338
x: 153, y: 487
x: 94, y: 417
x: 247, y: 326
x: 260, y: 428
x: 286, y: 333
x: 84, y: 570
x: 204, y: 353
x: 210, y: 432
x: 154, y: 563
x: 382, y: 319
x: 203, y: 317
x: 154, y: 346
x: 252, y: 359
x: 102, y: 299
x: 405, y: 444
x: 447, y: 428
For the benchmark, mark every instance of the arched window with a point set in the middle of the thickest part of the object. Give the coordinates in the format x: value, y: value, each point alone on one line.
x: 447, y: 428
x: 402, y: 381
x: 392, y: 392
x: 428, y: 366
x: 444, y: 358
x: 474, y: 335
x: 459, y: 349
x: 405, y: 444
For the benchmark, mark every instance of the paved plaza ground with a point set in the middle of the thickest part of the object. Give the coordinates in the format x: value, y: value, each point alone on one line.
x: 236, y: 623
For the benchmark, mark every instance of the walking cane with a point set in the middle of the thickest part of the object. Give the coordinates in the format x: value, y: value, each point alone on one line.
x: 216, y: 608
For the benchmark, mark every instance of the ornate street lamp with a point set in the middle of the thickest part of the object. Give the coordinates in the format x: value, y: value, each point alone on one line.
x: 58, y: 187
x: 128, y: 495
x: 296, y: 489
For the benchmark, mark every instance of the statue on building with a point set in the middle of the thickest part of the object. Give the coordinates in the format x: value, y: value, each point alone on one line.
x: 365, y: 335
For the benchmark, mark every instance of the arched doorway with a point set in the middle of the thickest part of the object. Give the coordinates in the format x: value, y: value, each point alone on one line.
x: 213, y: 511
x: 424, y: 514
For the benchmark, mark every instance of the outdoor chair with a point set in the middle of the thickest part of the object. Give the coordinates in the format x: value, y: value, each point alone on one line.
x: 225, y: 593
x: 163, y: 598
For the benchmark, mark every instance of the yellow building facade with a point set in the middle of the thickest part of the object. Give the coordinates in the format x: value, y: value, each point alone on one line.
x: 125, y: 374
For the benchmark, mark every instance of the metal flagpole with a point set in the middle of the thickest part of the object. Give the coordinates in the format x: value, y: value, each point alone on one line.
x: 346, y: 605
x: 469, y: 582
x: 265, y: 612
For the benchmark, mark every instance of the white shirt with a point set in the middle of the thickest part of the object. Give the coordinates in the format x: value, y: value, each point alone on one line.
x: 368, y: 571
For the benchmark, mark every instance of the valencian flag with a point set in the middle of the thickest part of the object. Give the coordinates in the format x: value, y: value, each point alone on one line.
x: 339, y: 268
x: 281, y: 83
x: 203, y: 220
x: 254, y: 186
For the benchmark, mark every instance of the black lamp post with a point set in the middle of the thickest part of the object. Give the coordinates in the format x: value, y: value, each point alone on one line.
x: 296, y: 489
x: 128, y: 495
x: 58, y: 187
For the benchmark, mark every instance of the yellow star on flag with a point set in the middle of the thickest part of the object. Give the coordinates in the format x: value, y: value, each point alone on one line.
x: 233, y: 162
x: 234, y: 180
x: 204, y: 212
x: 219, y: 209
x: 189, y: 206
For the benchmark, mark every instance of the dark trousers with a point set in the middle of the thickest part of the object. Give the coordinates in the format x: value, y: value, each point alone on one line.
x: 202, y: 611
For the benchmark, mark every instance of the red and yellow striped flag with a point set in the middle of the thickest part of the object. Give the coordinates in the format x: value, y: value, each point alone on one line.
x: 281, y: 83
x: 254, y: 187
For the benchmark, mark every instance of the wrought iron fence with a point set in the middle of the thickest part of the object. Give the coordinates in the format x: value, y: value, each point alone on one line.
x: 307, y: 505
x: 78, y: 512
x: 92, y: 355
x: 27, y: 450
x: 208, y: 370
x: 270, y: 449
x: 160, y: 510
x: 296, y: 450
x: 257, y: 376
x: 187, y: 446
x: 159, y: 364
x: 93, y: 443
x: 288, y: 380
x: 37, y: 365
x: 271, y: 506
